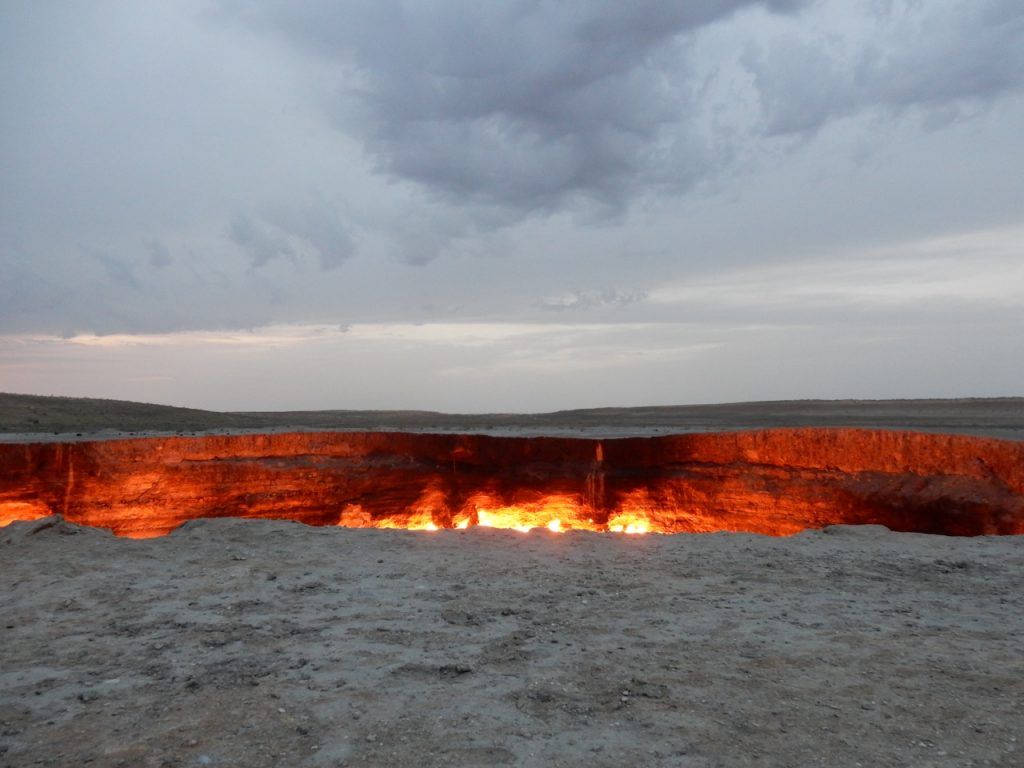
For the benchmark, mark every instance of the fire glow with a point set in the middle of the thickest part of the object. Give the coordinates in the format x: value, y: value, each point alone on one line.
x: 775, y: 482
x: 556, y: 513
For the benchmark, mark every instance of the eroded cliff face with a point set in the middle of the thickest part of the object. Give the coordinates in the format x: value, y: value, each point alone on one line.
x: 774, y: 482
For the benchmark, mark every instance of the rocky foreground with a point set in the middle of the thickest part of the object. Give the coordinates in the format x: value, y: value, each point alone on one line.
x: 262, y: 643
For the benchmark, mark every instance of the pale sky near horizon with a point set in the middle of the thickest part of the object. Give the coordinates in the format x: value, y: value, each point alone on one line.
x: 511, y: 206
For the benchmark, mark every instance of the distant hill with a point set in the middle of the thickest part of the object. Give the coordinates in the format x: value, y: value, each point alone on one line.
x: 991, y: 416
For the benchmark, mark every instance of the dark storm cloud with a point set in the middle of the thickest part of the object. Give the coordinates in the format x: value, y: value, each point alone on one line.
x: 498, y: 113
x: 941, y: 57
x: 524, y: 105
x: 319, y: 229
x: 169, y: 168
x: 291, y: 233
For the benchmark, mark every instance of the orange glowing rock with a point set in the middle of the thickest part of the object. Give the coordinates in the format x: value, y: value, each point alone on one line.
x: 22, y: 510
x: 775, y: 482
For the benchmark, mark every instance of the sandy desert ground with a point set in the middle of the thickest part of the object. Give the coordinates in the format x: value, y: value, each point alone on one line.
x: 262, y: 643
x: 34, y: 418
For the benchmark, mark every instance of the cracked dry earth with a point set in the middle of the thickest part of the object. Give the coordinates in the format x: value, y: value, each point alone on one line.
x: 261, y: 643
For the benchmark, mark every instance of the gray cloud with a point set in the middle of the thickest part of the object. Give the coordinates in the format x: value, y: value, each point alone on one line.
x: 291, y: 233
x: 523, y: 105
x: 505, y: 112
x: 159, y: 254
x: 942, y: 57
x: 319, y: 229
x: 262, y: 242
x: 583, y: 300
x: 222, y: 165
x: 119, y: 270
x: 22, y: 289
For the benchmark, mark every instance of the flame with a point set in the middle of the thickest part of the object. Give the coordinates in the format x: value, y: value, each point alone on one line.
x: 639, y: 526
x: 556, y: 513
x: 419, y: 521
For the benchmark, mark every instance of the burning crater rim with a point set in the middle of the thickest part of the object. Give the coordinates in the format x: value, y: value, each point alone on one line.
x: 769, y: 481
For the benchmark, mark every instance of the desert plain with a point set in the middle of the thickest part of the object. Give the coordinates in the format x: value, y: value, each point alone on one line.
x: 268, y: 643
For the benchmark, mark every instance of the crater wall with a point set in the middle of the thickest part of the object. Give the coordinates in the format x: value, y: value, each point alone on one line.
x: 772, y: 481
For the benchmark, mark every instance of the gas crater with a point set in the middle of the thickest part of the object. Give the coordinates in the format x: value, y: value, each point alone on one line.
x: 776, y: 482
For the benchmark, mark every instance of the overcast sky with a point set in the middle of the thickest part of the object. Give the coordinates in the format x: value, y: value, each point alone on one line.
x: 511, y: 206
